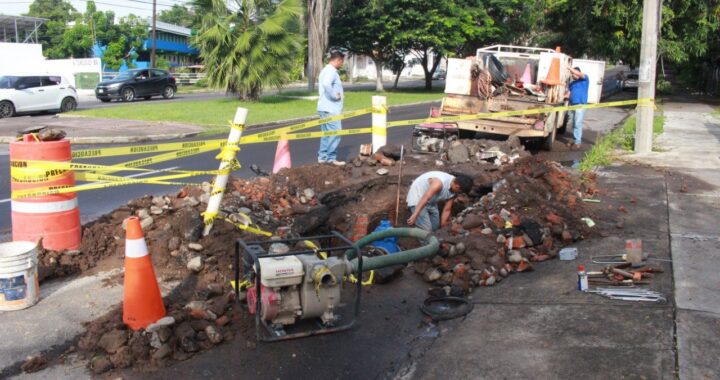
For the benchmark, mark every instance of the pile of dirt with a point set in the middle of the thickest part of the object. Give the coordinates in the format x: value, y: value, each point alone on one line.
x: 533, y: 211
x: 521, y: 210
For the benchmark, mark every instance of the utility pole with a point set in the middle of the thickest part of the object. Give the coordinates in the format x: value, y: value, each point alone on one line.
x: 152, y: 51
x: 646, y: 85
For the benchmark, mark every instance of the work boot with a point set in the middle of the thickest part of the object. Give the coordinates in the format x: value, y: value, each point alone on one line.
x: 337, y: 163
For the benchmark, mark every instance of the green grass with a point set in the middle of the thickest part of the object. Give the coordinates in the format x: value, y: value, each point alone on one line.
x: 215, y: 113
x: 623, y: 138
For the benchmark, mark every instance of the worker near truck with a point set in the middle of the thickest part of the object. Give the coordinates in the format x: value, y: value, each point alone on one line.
x: 427, y: 190
x: 330, y: 103
x: 577, y: 94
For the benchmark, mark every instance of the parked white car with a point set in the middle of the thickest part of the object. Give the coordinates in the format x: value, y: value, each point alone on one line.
x: 34, y: 93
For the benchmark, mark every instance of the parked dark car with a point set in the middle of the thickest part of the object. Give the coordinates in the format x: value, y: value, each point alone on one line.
x: 139, y: 83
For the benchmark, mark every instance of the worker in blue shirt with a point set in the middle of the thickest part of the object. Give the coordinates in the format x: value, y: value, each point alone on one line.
x: 330, y: 103
x: 577, y: 94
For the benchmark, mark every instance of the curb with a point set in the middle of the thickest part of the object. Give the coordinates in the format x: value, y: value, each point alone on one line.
x: 137, y: 139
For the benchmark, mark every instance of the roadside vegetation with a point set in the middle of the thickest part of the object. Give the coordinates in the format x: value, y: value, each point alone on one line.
x: 215, y: 113
x: 621, y: 139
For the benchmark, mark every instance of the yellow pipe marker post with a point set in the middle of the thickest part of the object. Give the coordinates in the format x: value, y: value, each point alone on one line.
x: 226, y: 166
x: 379, y: 122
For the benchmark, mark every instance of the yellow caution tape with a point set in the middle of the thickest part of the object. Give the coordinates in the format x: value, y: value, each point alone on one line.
x: 37, y: 192
x: 314, y: 247
x: 28, y: 169
x: 379, y: 131
x: 144, y: 149
x: 211, y: 216
x: 296, y: 127
x: 534, y: 111
x: 94, y: 177
x: 379, y: 109
x: 351, y: 278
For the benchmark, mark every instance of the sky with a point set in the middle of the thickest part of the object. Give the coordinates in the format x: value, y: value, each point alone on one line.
x: 121, y: 8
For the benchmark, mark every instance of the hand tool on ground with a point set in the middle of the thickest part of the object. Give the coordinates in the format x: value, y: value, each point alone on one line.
x: 630, y: 294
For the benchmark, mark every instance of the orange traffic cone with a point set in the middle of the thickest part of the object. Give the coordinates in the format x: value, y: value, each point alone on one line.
x: 282, y: 156
x: 527, y: 76
x: 142, y: 302
x: 553, y: 78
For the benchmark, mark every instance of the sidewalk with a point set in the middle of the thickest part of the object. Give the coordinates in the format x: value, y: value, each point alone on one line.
x: 539, y: 326
x: 83, y: 130
x: 690, y: 151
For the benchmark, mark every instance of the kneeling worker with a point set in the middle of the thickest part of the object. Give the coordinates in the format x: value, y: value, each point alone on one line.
x: 427, y: 190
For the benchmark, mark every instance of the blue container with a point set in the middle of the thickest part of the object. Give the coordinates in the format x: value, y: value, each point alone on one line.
x: 388, y: 244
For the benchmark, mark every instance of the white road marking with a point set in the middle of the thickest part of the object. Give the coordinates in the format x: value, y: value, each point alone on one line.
x: 128, y: 176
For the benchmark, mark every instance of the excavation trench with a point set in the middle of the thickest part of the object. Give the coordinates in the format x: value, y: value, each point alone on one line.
x: 533, y: 204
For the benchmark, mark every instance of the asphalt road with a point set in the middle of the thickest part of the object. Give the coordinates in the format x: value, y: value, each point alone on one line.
x: 97, y: 202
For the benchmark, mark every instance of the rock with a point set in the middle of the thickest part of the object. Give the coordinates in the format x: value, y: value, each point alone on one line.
x: 490, y: 281
x: 309, y: 193
x: 486, y: 231
x: 199, y: 325
x: 554, y: 219
x: 184, y: 330
x: 471, y: 221
x: 100, y: 364
x: 439, y: 163
x: 189, y: 345
x: 34, y: 364
x: 567, y: 236
x: 525, y: 266
x: 204, y: 198
x: 143, y: 213
x: 214, y: 334
x: 514, y: 256
x: 146, y: 223
x: 164, y: 334
x: 195, y: 264
x: 382, y: 171
x: 175, y: 253
x: 432, y: 275
x: 215, y: 289
x: 123, y: 358
x: 460, y: 248
x: 162, y: 322
x: 158, y: 201
x: 174, y: 243
x: 112, y: 340
x: 501, y: 239
x: 458, y: 153
x: 303, y: 200
x: 164, y: 351
x: 190, y: 201
x: 222, y: 321
x: 196, y: 306
x: 155, y: 210
x: 155, y: 341
x: 195, y: 247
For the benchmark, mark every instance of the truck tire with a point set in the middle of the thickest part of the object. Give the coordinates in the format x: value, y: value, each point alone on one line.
x: 496, y: 69
x: 549, y: 140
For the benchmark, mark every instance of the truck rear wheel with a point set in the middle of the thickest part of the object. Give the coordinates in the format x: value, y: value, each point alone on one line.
x: 549, y: 141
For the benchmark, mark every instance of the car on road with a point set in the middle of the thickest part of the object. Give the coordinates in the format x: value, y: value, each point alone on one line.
x: 35, y: 93
x: 630, y: 81
x: 439, y: 74
x: 138, y: 83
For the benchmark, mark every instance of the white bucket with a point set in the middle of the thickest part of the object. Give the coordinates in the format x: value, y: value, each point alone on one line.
x: 19, y: 286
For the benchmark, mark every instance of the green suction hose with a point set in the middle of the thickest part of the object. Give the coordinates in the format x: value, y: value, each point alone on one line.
x: 402, y: 257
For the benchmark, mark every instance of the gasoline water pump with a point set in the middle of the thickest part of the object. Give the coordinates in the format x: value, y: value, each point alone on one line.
x: 305, y: 283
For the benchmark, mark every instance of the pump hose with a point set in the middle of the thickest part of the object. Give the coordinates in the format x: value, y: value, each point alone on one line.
x: 402, y: 257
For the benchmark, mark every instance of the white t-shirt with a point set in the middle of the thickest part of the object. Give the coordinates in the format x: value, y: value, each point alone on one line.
x: 421, y: 185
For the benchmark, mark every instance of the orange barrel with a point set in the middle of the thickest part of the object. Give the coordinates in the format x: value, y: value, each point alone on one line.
x: 54, y: 218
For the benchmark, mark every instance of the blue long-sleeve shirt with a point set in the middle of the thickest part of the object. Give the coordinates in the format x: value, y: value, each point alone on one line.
x: 329, y: 88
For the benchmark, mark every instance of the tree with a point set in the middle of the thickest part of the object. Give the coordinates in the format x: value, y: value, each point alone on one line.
x: 250, y: 45
x: 178, y: 15
x: 433, y: 29
x: 59, y: 13
x: 318, y: 21
x: 376, y: 37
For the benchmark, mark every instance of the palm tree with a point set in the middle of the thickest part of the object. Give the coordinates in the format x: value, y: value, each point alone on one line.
x: 250, y: 44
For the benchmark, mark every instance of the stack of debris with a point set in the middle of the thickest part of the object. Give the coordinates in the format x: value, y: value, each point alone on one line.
x: 527, y: 216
